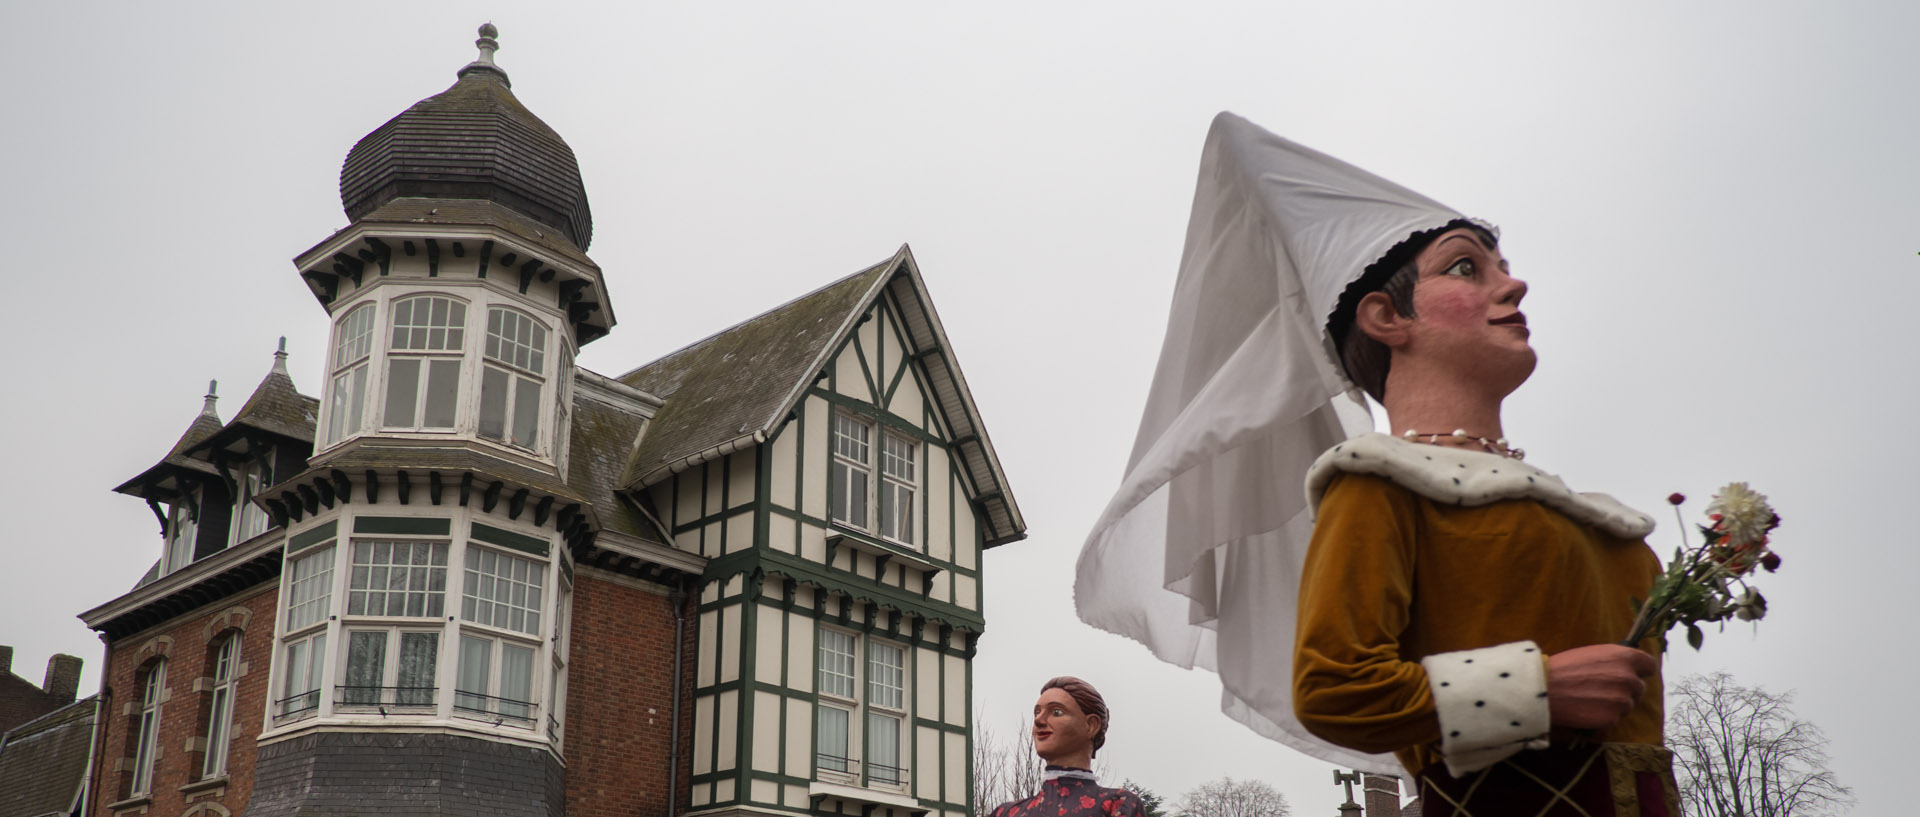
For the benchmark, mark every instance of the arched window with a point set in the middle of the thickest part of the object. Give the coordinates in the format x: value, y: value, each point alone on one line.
x: 225, y: 671
x: 347, y: 392
x: 147, y: 737
x: 423, y: 362
x: 515, y: 373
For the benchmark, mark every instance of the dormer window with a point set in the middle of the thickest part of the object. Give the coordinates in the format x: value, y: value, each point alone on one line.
x: 352, y: 346
x: 510, y: 386
x: 248, y: 519
x: 182, y: 529
x: 423, y: 363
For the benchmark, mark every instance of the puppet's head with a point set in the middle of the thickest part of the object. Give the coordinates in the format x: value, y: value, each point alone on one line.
x: 1069, y: 721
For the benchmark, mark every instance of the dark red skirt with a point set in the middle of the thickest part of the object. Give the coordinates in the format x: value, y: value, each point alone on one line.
x: 1591, y: 780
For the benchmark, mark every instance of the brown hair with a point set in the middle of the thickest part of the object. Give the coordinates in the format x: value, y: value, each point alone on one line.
x: 1089, y: 701
x: 1365, y: 360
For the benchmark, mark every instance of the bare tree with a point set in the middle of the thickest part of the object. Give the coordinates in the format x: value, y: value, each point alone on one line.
x: 1739, y: 751
x: 1228, y: 797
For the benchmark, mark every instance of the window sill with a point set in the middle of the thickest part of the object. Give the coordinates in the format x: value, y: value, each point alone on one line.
x: 881, y: 550
x: 203, y: 785
x: 138, y: 801
x: 818, y: 790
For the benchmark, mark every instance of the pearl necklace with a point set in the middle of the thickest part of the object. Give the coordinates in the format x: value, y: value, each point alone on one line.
x: 1460, y: 435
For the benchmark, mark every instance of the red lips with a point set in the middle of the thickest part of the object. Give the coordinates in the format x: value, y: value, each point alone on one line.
x: 1515, y: 319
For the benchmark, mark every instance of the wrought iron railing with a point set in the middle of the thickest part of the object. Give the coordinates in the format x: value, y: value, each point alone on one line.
x: 408, y: 699
x: 296, y: 705
x: 876, y: 772
x: 493, y: 707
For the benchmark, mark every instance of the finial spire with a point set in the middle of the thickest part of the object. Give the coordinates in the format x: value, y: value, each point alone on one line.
x: 213, y: 387
x: 280, y: 357
x: 488, y: 43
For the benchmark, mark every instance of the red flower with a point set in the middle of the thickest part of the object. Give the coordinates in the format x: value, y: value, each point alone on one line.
x: 1086, y: 802
x: 1771, y: 561
x: 1676, y: 498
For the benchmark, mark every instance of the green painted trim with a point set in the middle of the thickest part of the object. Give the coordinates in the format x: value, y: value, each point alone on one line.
x: 706, y: 478
x: 770, y: 561
x: 323, y: 532
x: 939, y: 725
x: 483, y: 532
x: 749, y: 661
x: 892, y: 421
x: 722, y: 516
x: 720, y: 644
x: 831, y: 527
x: 860, y: 351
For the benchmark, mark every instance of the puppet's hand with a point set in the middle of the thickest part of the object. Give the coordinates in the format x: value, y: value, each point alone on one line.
x: 1592, y: 687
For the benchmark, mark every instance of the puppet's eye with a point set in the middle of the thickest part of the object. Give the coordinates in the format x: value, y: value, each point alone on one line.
x: 1462, y: 268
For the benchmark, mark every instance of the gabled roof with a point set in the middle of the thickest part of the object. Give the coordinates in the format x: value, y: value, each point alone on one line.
x: 735, y: 388
x: 606, y: 423
x: 276, y: 407
x: 43, y: 762
x: 148, y: 484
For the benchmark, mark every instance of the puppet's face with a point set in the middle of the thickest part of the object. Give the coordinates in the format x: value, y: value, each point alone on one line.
x: 1061, y: 730
x: 1467, y: 310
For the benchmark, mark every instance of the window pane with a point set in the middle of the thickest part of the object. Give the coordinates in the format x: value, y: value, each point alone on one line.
x: 443, y: 393
x: 357, y: 407
x: 493, y: 404
x: 830, y: 738
x: 396, y: 579
x: 419, y: 652
x: 309, y: 589
x: 836, y: 663
x: 857, y: 499
x: 883, y: 748
x: 476, y: 656
x: 516, y: 681
x: 366, y: 667
x: 526, y: 411
x: 355, y: 336
x: 886, y: 672
x: 503, y: 591
x: 403, y: 391
x: 219, y: 715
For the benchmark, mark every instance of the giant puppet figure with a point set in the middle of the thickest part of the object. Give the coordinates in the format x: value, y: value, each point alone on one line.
x: 1423, y: 599
x: 1069, y: 727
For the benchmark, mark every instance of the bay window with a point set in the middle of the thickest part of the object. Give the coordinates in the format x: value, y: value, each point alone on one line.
x: 309, y: 595
x: 423, y: 362
x: 501, y: 592
x: 510, y: 384
x: 347, y: 389
x: 226, y: 663
x: 393, y: 665
x: 147, y: 738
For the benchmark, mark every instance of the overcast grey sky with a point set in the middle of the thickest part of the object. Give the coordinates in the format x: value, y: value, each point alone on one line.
x: 1713, y: 201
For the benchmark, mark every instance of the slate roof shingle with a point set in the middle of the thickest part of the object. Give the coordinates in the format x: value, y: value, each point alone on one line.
x: 44, y: 761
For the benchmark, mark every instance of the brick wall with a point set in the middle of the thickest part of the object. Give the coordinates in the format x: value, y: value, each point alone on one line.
x: 188, y: 644
x: 620, y: 699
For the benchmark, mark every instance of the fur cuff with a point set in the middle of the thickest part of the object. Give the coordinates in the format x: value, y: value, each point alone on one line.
x: 1492, y: 703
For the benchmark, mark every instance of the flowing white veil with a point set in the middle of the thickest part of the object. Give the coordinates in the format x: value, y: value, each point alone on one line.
x: 1198, y: 556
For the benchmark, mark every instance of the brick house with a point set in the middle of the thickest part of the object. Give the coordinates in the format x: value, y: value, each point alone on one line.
x: 473, y: 578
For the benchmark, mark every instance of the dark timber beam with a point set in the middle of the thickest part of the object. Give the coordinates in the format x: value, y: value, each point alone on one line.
x: 407, y: 247
x: 160, y: 515
x: 342, y: 486
x: 309, y: 498
x: 354, y: 266
x: 373, y: 486
x: 381, y: 253
x: 492, y: 497
x: 278, y: 510
x: 325, y: 284
x: 526, y: 273
x: 433, y: 487
x: 508, y: 260
x: 540, y: 511
x: 433, y: 258
x: 486, y: 253
x: 402, y: 486
x: 325, y: 489
x: 517, y: 504
x: 570, y: 291
x: 466, y: 488
x: 459, y: 249
x: 578, y: 312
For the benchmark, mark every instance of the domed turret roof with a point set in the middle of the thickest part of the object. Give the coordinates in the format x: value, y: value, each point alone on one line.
x: 473, y: 141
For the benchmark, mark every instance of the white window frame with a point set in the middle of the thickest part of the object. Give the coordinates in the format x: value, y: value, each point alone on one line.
x: 348, y: 372
x: 153, y: 694
x: 898, y: 519
x: 485, y: 698
x: 858, y: 697
x: 388, y: 696
x: 851, y: 457
x: 442, y: 345
x: 517, y: 362
x: 248, y: 519
x: 226, y: 677
x: 183, y: 529
x: 306, y: 613
x: 371, y: 588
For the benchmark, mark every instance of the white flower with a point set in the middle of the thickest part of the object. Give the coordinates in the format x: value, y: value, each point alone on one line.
x: 1744, y: 514
x: 1751, y: 606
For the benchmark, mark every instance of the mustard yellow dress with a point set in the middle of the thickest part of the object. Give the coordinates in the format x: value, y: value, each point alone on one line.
x: 1422, y: 554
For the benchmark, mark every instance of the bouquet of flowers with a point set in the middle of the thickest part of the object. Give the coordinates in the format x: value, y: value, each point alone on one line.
x: 1710, y: 583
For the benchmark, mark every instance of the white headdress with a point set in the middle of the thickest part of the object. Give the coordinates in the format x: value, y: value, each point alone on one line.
x: 1198, y: 556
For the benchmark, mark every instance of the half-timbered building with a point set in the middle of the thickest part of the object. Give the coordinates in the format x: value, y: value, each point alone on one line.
x: 471, y: 577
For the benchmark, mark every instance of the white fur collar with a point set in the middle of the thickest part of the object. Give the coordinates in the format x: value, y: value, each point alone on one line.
x: 1468, y: 478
